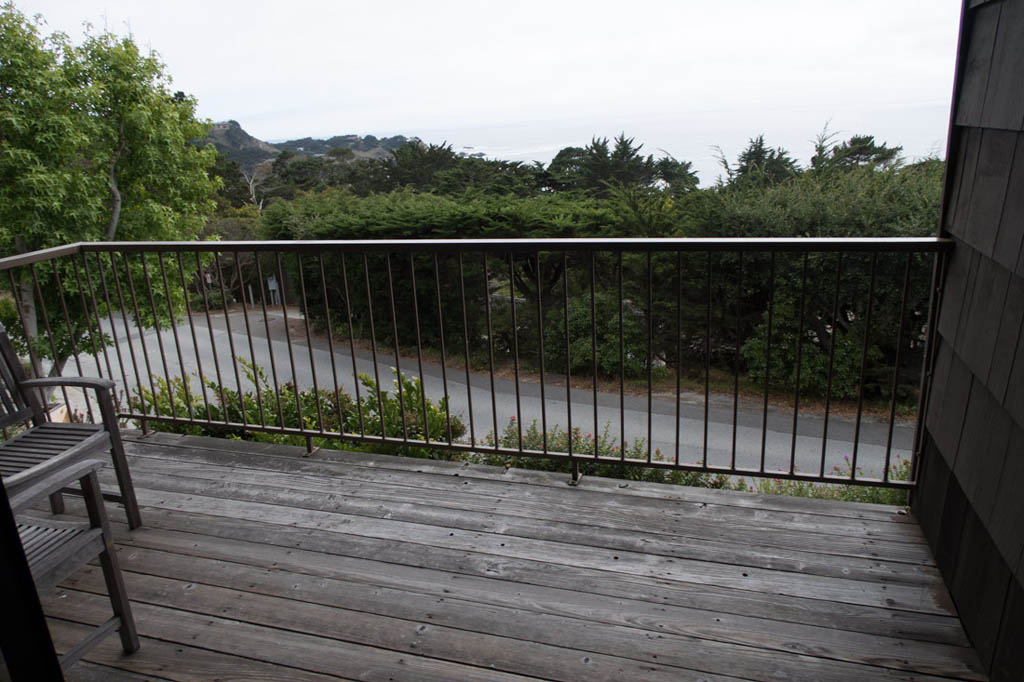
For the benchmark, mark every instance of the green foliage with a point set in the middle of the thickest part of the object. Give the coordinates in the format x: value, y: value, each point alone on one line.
x: 557, y: 440
x: 815, y: 350
x: 900, y: 201
x: 156, y: 179
x: 376, y: 413
x: 862, y: 202
x: 581, y: 345
x: 47, y: 195
x: 858, y: 151
x: 234, y: 191
x: 759, y: 166
x: 898, y: 471
x: 93, y: 145
x: 423, y: 418
x: 600, y: 167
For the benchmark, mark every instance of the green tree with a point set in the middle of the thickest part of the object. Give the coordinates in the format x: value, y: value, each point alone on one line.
x: 760, y: 165
x: 47, y: 194
x: 858, y: 151
x: 235, y: 190
x: 415, y: 164
x: 93, y: 145
x: 157, y: 181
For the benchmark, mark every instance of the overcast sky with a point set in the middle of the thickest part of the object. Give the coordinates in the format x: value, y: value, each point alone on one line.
x: 520, y: 80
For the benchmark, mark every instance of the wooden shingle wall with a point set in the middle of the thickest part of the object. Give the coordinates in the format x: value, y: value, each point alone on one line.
x: 970, y: 499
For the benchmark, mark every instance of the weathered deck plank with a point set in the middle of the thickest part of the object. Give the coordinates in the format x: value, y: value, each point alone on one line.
x: 440, y: 571
x: 369, y: 567
x: 617, y: 510
x: 282, y: 507
x: 591, y: 527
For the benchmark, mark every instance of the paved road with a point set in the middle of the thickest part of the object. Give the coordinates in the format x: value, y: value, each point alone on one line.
x: 778, y: 438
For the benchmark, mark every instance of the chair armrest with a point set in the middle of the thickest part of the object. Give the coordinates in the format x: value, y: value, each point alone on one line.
x: 103, y: 388
x: 78, y: 382
x: 53, y: 482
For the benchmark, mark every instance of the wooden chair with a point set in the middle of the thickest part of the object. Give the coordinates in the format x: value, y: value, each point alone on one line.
x: 56, y: 548
x: 44, y: 440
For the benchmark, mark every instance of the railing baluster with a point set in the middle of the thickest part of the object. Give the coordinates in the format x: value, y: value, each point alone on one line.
x: 41, y: 306
x: 622, y: 368
x: 373, y: 347
x: 736, y: 360
x: 213, y: 340
x: 768, y: 358
x: 309, y: 344
x: 174, y: 333
x: 330, y: 342
x: 924, y: 387
x: 490, y: 349
x: 142, y: 337
x: 896, y: 368
x: 71, y: 336
x: 195, y: 338
x: 394, y: 334
x: 419, y: 347
x: 444, y: 356
x: 799, y: 364
x: 863, y: 366
x: 113, y: 333
x: 465, y: 343
x: 248, y: 333
x: 94, y: 329
x: 33, y: 360
x: 707, y: 366
x: 352, y: 344
x: 679, y: 346
x: 243, y: 414
x: 540, y: 356
x: 831, y: 362
x: 288, y: 340
x: 515, y: 344
x: 156, y: 328
x: 593, y: 346
x: 650, y: 356
x: 568, y: 360
x: 270, y: 341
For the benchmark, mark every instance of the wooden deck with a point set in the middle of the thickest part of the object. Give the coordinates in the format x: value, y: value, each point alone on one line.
x: 256, y: 563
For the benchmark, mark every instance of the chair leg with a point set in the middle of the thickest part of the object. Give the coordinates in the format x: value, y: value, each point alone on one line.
x: 124, y: 481
x: 111, y: 567
x: 57, y: 503
x: 124, y: 477
x: 119, y: 599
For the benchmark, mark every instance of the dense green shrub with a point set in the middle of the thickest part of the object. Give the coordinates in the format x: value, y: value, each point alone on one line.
x: 557, y: 440
x: 898, y: 471
x: 377, y: 412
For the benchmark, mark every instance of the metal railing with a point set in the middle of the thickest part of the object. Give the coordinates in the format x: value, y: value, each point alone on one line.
x: 788, y: 358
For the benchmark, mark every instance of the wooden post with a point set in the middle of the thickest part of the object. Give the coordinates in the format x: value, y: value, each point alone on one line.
x: 24, y: 637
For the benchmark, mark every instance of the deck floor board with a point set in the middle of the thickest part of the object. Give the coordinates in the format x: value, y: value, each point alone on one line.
x: 259, y: 563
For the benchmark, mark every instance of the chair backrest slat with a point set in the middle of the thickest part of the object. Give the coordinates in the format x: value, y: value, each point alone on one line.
x: 16, y: 404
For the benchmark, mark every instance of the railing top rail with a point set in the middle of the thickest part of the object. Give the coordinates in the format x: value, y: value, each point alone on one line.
x: 38, y: 256
x: 696, y: 244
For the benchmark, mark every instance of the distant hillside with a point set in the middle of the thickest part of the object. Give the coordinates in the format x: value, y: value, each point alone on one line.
x: 232, y: 141
x: 365, y: 147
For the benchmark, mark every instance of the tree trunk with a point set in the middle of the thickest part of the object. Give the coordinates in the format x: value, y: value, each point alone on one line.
x: 115, y: 193
x: 25, y: 301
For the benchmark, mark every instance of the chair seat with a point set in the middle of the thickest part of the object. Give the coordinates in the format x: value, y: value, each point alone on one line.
x: 53, y: 548
x: 40, y: 443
